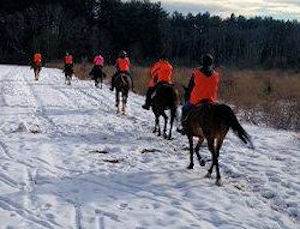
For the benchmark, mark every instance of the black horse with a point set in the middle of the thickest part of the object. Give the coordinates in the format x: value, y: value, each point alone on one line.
x: 164, y: 97
x: 122, y: 84
x: 37, y: 67
x: 97, y: 75
x: 68, y: 70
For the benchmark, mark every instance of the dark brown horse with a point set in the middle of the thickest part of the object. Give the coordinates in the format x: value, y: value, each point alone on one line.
x: 37, y: 69
x: 164, y: 97
x: 68, y: 70
x: 97, y: 75
x: 212, y: 121
x: 122, y: 85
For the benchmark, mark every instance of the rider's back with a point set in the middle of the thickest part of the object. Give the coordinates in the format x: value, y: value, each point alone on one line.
x: 163, y: 70
x: 205, y: 88
x: 37, y: 58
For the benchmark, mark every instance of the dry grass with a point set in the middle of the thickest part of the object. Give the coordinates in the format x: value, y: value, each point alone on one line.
x: 269, y: 97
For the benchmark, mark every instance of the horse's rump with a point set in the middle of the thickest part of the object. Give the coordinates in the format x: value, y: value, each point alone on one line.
x: 121, y: 81
x: 68, y: 70
x: 217, y: 119
x: 97, y: 72
x: 165, y: 96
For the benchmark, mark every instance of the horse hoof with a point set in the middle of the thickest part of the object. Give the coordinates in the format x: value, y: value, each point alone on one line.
x: 202, y: 163
x: 219, y: 182
x: 191, y: 166
x: 208, y: 175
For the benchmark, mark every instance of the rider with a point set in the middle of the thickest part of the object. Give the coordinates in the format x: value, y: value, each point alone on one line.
x: 37, y: 59
x: 202, y: 88
x: 122, y: 66
x: 68, y: 61
x: 161, y: 72
x: 98, y: 62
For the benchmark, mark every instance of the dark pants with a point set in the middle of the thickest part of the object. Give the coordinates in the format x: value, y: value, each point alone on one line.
x: 187, y: 108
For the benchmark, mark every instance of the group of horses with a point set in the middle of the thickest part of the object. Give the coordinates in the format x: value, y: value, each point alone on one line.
x: 210, y: 121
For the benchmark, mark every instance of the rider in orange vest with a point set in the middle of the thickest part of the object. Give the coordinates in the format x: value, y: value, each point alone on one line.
x: 203, y: 87
x: 161, y: 72
x: 37, y: 59
x: 123, y: 66
x: 68, y: 61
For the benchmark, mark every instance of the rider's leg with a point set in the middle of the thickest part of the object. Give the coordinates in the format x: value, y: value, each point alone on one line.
x: 148, y: 98
x: 186, y: 110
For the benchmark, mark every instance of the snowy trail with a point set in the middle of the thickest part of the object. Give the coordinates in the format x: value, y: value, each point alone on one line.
x: 53, y: 174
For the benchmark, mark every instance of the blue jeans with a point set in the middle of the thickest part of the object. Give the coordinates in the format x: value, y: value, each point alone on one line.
x: 187, y: 108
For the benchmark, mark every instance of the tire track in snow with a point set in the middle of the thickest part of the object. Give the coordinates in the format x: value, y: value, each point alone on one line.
x: 7, y: 204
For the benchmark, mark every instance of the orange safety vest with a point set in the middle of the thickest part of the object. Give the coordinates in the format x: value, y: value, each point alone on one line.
x: 123, y: 64
x: 163, y: 70
x: 37, y: 58
x: 68, y: 59
x: 205, y: 87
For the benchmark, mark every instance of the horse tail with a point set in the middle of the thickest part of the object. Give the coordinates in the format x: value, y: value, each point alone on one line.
x: 239, y: 131
x: 124, y: 80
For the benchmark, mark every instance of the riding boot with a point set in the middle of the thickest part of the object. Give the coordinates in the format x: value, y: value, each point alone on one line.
x: 186, y: 110
x: 147, y: 104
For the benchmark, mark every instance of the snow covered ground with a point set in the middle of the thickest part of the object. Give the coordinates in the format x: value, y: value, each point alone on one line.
x: 68, y: 161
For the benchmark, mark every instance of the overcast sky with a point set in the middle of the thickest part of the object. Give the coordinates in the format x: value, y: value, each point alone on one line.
x: 279, y: 9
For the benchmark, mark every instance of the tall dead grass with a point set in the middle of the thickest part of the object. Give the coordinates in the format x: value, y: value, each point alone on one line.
x: 261, y: 97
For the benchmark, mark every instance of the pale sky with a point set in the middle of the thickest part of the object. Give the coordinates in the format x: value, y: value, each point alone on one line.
x: 279, y: 9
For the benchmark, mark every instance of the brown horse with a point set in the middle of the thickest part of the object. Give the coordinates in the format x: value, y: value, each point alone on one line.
x: 37, y: 69
x: 212, y: 121
x: 122, y: 85
x: 164, y: 97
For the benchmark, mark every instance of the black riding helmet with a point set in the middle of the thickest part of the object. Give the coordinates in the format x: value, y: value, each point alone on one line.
x: 207, y: 60
x: 122, y: 54
x: 207, y: 64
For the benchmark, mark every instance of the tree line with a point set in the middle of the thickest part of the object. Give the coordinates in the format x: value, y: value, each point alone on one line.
x: 145, y: 30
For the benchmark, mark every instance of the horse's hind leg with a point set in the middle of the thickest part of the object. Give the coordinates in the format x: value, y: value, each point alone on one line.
x: 197, y: 149
x: 96, y: 82
x: 173, y: 116
x: 117, y: 101
x: 191, y: 165
x: 36, y: 74
x: 157, y: 126
x: 217, y: 152
x: 165, y: 125
x: 124, y: 102
x: 211, y: 148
